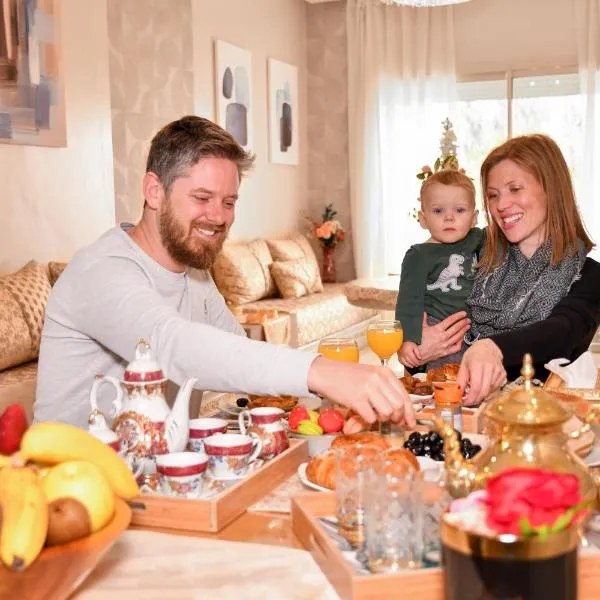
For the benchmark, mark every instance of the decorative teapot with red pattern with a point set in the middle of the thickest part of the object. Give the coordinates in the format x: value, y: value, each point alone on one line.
x: 143, y: 421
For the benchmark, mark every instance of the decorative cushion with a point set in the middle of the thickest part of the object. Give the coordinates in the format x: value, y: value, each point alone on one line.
x: 296, y: 278
x: 24, y: 295
x: 241, y: 272
x: 55, y: 270
x: 296, y: 246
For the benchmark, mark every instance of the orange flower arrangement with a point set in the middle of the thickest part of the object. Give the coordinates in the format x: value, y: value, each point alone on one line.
x: 329, y: 231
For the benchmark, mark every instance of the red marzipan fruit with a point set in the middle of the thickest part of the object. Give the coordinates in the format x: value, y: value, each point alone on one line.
x: 331, y: 420
x: 297, y: 414
x: 13, y: 424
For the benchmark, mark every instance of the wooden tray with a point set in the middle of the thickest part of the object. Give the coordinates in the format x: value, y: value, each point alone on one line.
x: 424, y: 584
x: 213, y: 514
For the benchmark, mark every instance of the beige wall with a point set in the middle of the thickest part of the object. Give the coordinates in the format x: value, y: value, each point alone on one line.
x: 54, y: 200
x: 151, y: 83
x: 328, y: 178
x: 274, y: 196
x: 514, y: 34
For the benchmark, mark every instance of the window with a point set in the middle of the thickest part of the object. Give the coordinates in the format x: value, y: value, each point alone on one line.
x: 489, y: 112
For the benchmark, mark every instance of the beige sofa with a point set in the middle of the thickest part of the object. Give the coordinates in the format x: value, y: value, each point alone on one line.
x: 271, y: 274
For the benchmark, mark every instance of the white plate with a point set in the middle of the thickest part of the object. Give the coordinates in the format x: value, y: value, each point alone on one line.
x: 309, y: 484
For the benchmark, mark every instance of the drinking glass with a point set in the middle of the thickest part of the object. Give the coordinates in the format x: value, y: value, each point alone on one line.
x: 393, y: 518
x: 435, y: 500
x: 352, y: 465
x: 343, y: 349
x: 385, y: 339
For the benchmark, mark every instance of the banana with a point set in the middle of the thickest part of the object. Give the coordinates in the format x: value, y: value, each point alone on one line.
x: 24, y: 517
x: 54, y: 443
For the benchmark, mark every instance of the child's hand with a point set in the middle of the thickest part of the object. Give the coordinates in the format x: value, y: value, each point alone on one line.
x: 409, y: 355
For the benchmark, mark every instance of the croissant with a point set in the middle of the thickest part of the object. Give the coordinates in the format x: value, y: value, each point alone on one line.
x: 321, y: 470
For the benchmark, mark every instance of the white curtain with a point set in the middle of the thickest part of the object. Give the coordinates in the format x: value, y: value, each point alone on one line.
x: 401, y: 86
x: 588, y: 179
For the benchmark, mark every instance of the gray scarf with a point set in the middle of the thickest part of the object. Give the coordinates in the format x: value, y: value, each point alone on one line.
x: 520, y: 291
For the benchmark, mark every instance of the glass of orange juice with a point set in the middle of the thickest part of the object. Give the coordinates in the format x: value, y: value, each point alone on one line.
x: 343, y: 349
x: 385, y: 339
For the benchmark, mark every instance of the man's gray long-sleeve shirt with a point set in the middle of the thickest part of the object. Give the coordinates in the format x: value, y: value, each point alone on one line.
x: 111, y: 295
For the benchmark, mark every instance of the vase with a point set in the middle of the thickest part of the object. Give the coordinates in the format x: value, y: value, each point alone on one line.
x: 482, y: 568
x: 328, y: 272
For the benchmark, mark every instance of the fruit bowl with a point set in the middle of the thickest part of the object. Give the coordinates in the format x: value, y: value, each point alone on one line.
x: 317, y: 444
x: 59, y: 570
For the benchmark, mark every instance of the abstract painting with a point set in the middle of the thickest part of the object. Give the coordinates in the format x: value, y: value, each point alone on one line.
x: 31, y: 93
x: 233, y: 85
x: 283, y: 112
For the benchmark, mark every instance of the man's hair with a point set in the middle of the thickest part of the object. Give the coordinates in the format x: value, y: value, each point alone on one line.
x: 182, y: 143
x: 449, y: 177
x: 540, y: 156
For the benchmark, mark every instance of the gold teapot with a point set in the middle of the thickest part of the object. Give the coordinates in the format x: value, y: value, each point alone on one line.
x: 526, y: 431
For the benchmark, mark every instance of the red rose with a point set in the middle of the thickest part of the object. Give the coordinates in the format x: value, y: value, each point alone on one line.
x: 538, y: 495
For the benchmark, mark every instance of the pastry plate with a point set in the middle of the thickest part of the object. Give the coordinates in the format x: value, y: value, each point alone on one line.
x: 424, y: 461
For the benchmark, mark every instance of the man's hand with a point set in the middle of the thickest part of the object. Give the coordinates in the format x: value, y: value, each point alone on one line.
x: 409, y: 355
x: 482, y: 370
x: 444, y: 338
x: 373, y: 392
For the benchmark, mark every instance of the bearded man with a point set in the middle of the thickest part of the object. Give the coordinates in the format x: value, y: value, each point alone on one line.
x: 152, y: 281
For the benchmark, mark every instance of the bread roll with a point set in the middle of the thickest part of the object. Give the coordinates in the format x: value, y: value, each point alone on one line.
x: 370, y: 438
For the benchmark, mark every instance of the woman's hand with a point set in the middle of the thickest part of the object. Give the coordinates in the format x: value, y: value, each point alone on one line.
x: 409, y: 355
x: 444, y: 338
x: 482, y: 370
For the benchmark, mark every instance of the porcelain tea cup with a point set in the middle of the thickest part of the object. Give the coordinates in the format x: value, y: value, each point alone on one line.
x: 202, y: 428
x: 267, y: 423
x: 230, y: 454
x: 181, y: 473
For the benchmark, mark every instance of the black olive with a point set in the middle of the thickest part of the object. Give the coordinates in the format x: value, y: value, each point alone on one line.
x: 418, y: 450
x: 442, y: 455
x: 434, y: 437
x: 427, y: 448
x: 466, y: 444
x: 407, y: 445
x: 414, y: 436
x: 476, y: 448
x: 242, y: 402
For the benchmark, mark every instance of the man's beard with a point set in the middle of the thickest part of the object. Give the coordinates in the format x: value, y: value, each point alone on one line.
x: 186, y: 247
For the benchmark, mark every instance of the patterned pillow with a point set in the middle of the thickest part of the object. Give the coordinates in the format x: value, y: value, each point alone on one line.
x: 55, y: 270
x: 241, y: 272
x: 28, y: 290
x: 292, y: 248
x: 296, y: 278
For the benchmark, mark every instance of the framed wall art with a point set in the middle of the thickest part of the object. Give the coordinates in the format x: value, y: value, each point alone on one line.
x: 233, y: 85
x: 32, y: 109
x: 283, y: 112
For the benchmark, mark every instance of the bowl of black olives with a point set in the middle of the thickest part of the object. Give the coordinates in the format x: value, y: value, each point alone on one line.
x: 431, y: 445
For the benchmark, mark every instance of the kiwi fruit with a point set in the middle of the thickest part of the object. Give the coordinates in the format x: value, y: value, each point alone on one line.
x: 68, y: 520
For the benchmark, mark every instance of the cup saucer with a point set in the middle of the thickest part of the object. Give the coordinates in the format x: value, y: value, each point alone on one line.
x: 211, y: 475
